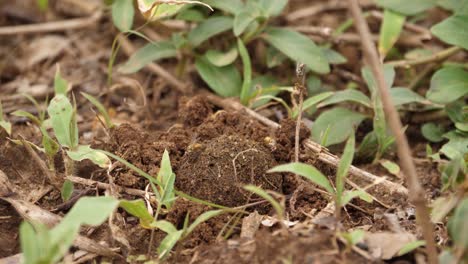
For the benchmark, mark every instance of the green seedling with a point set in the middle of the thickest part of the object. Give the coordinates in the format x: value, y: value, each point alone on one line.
x: 341, y: 197
x: 41, y: 245
x: 102, y: 110
x: 265, y: 195
x: 3, y: 123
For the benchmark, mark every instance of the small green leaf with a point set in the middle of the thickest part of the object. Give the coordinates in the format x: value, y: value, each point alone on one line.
x: 231, y: 6
x: 29, y: 243
x: 453, y: 30
x: 191, y: 14
x: 243, y: 19
x: 138, y: 209
x: 401, y: 96
x: 221, y: 59
x: 344, y: 165
x: 333, y: 57
x: 225, y: 81
x: 149, y: 53
x: 28, y: 115
x: 458, y: 226
x: 307, y: 171
x: 262, y: 193
x: 349, y: 195
x: 61, y: 115
x: 245, y: 91
x: 86, y: 152
x: 43, y: 4
x: 316, y: 99
x: 67, y: 190
x: 168, y: 243
x: 202, y: 218
x: 340, y: 122
x: 165, y: 226
x: 411, y: 246
x: 102, y: 110
x: 433, y: 132
x: 274, y: 57
x: 390, y: 31
x: 167, y: 178
x: 60, y: 84
x: 347, y: 95
x: 122, y: 14
x: 264, y: 85
x: 159, y: 11
x: 272, y: 7
x: 407, y: 7
x: 447, y: 85
x: 298, y: 47
x: 6, y: 125
x: 354, y: 236
x: 391, y: 166
x: 209, y: 28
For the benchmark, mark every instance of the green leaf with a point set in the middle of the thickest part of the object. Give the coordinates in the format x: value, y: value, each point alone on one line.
x: 61, y: 115
x: 50, y: 146
x: 266, y: 85
x: 231, y: 6
x: 391, y: 166
x: 411, y: 246
x: 350, y: 195
x: 102, y: 110
x: 221, y: 59
x: 83, y: 152
x: 316, y: 99
x: 274, y: 57
x: 354, y: 236
x: 67, y: 190
x: 407, y: 7
x: 307, y: 171
x: 401, y: 96
x: 168, y: 243
x: 298, y: 47
x: 159, y: 11
x: 344, y: 165
x: 122, y: 14
x: 457, y: 146
x: 165, y: 226
x: 28, y: 115
x: 447, y: 85
x: 149, y: 53
x: 390, y: 31
x: 60, y: 84
x: 453, y: 30
x: 340, y: 122
x: 347, y: 95
x: 202, y: 218
x: 138, y: 209
x: 225, y: 81
x: 272, y: 7
x: 458, y: 226
x: 43, y: 5
x: 167, y: 178
x: 243, y: 19
x: 29, y: 243
x: 191, y: 14
x: 333, y: 57
x: 245, y: 91
x: 209, y: 28
x: 6, y: 125
x: 262, y: 193
x: 433, y: 132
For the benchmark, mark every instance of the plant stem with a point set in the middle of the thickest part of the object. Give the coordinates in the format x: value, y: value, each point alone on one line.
x: 300, y: 89
x: 416, y: 193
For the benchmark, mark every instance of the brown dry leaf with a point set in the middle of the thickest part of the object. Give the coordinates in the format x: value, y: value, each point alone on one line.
x: 386, y: 245
x: 47, y: 47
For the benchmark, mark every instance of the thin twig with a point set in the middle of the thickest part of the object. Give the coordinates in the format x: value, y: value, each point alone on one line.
x: 52, y: 26
x: 442, y: 55
x: 299, y: 89
x: 129, y: 49
x: 416, y: 194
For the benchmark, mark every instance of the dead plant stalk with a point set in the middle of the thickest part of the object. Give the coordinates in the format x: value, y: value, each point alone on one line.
x: 416, y: 194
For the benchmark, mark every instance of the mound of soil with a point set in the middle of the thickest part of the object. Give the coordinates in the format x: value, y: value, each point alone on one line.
x: 217, y: 169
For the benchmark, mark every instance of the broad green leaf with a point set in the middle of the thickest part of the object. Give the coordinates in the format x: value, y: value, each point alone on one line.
x: 83, y: 152
x: 299, y: 48
x: 390, y: 31
x: 458, y: 226
x: 168, y: 243
x: 122, y: 14
x: 225, y: 81
x: 333, y: 57
x: 411, y: 246
x: 432, y: 132
x: 274, y: 57
x: 231, y: 6
x: 453, y: 30
x: 347, y: 95
x: 407, y: 7
x: 462, y: 126
x: 457, y: 146
x: 61, y: 115
x: 316, y: 99
x: 262, y: 193
x: 401, y: 96
x: 60, y: 84
x: 209, y: 28
x: 67, y: 190
x: 191, y: 14
x: 344, y: 165
x: 340, y: 122
x: 391, y: 166
x: 165, y: 226
x: 272, y: 7
x: 243, y: 19
x: 202, y: 218
x: 349, y: 195
x: 102, y: 110
x: 447, y: 85
x: 247, y: 65
x: 138, y: 209
x: 149, y: 53
x: 221, y: 59
x: 307, y: 171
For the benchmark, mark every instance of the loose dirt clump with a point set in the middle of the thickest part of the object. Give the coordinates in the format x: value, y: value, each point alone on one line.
x: 217, y: 169
x: 194, y: 111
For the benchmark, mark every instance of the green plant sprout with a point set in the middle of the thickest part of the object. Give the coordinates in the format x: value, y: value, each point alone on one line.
x: 341, y: 197
x: 3, y: 123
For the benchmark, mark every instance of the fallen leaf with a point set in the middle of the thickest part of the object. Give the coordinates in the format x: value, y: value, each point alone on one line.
x: 386, y: 245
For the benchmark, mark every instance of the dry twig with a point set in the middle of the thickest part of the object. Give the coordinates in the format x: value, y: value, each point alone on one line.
x: 416, y: 194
